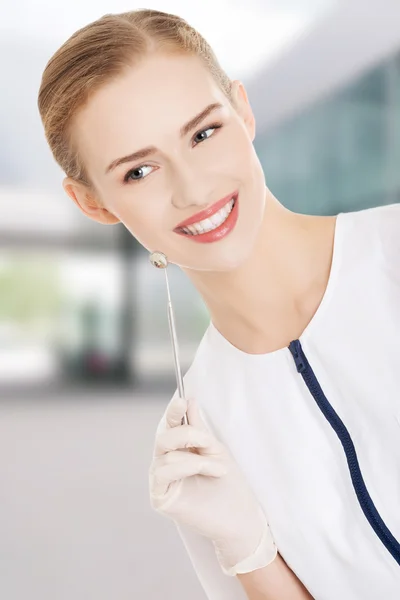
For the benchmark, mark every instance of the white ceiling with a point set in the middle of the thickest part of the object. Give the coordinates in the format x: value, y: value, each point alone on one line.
x: 244, y: 34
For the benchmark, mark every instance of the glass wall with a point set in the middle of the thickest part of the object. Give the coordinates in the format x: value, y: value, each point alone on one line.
x: 343, y: 152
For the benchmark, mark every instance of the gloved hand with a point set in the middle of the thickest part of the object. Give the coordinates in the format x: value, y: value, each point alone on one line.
x: 196, y: 482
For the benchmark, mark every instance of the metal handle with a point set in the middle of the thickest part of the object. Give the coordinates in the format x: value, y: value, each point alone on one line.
x: 175, y: 348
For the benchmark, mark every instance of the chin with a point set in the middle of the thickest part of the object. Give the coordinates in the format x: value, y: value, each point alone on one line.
x: 221, y: 263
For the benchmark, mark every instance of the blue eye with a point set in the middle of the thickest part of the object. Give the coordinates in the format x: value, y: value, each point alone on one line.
x: 202, y: 133
x: 137, y: 172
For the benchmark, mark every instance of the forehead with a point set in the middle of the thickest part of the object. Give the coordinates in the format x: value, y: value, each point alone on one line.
x: 144, y: 106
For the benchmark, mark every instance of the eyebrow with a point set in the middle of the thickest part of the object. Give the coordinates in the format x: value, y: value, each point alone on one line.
x: 184, y: 130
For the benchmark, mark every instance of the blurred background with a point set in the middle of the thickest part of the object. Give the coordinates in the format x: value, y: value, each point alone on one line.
x: 86, y: 366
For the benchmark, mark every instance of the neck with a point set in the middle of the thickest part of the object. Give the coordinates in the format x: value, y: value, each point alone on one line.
x: 284, y: 275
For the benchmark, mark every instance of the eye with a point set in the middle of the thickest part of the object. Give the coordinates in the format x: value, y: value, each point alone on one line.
x: 204, y: 133
x: 137, y: 173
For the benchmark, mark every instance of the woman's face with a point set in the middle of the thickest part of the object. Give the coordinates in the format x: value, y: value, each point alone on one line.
x: 185, y: 171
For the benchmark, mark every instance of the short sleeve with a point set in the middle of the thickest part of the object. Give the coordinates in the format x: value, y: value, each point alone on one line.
x: 216, y: 585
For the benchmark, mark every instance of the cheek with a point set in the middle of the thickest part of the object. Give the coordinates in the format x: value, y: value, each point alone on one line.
x: 144, y: 222
x: 245, y: 158
x: 238, y: 152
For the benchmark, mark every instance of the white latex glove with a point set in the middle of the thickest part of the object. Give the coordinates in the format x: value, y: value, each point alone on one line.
x: 196, y: 482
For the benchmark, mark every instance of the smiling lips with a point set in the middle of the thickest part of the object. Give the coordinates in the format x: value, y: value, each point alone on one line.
x: 212, y: 224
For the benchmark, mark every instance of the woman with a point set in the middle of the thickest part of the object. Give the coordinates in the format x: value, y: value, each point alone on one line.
x: 294, y: 418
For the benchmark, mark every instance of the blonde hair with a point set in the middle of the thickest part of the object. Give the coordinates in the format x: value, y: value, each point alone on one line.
x: 96, y: 54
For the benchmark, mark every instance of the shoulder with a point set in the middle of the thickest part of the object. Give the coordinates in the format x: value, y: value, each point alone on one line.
x: 381, y: 220
x: 374, y: 229
x: 373, y: 239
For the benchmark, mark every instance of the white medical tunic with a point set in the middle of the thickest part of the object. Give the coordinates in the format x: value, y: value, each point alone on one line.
x: 315, y: 426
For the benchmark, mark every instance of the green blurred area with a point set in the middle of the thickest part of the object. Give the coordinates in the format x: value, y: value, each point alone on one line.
x: 29, y: 289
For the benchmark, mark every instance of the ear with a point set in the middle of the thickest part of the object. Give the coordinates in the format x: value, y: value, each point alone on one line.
x: 242, y: 106
x: 87, y: 202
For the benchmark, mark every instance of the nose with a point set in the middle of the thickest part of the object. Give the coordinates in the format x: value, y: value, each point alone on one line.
x: 190, y: 188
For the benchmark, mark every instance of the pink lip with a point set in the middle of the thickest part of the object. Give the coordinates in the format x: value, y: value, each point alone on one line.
x: 205, y: 214
x: 219, y: 232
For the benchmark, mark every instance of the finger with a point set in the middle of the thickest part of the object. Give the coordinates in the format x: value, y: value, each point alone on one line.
x: 175, y: 411
x: 181, y: 465
x: 185, y: 436
x: 195, y: 416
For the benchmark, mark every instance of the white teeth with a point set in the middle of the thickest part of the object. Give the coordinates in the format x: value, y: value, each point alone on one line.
x: 212, y: 222
x: 207, y: 224
x: 215, y: 219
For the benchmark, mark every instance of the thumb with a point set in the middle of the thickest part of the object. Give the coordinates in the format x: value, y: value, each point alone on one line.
x: 175, y: 411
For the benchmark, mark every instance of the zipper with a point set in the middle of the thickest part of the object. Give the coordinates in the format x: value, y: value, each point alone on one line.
x: 365, y: 500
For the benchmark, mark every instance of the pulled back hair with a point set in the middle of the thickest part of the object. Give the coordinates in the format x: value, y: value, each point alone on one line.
x: 98, y: 53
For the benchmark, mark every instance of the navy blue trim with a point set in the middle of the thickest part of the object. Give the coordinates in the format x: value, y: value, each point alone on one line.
x: 363, y: 496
